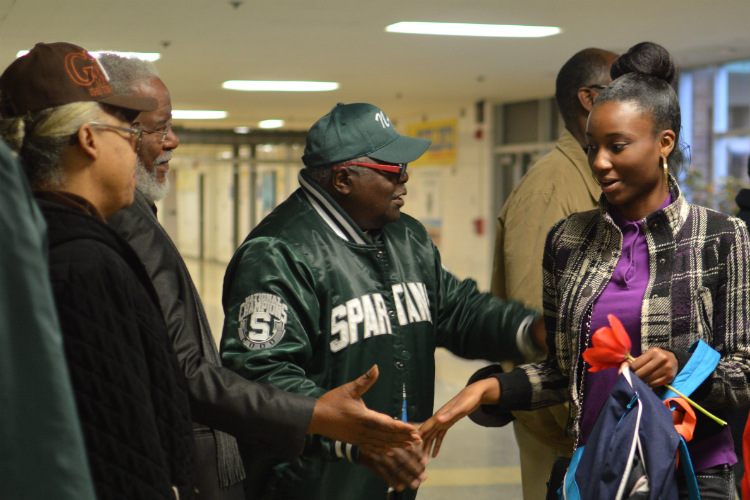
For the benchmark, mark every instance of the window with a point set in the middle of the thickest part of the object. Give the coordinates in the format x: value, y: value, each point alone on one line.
x: 715, y: 104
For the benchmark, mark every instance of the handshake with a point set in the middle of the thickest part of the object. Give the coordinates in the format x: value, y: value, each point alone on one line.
x: 396, y: 451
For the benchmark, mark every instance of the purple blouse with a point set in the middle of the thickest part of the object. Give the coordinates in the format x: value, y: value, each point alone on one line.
x: 623, y: 297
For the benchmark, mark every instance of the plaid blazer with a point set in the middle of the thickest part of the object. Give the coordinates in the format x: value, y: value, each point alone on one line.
x: 698, y: 288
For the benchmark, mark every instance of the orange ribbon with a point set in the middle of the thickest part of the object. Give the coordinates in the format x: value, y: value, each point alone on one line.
x: 683, y: 418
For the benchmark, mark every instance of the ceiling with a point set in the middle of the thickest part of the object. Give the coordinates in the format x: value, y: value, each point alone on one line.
x: 211, y: 41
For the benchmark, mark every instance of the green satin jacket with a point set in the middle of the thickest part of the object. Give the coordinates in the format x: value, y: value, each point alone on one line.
x: 311, y: 303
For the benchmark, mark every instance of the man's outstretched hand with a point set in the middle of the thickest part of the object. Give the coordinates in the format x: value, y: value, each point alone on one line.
x: 341, y: 414
x: 403, y: 469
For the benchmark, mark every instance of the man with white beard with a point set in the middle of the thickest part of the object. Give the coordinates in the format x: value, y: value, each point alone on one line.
x: 222, y: 402
x: 154, y: 184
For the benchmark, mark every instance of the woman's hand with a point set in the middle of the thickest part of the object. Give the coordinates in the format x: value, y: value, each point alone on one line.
x: 656, y: 367
x: 482, y: 392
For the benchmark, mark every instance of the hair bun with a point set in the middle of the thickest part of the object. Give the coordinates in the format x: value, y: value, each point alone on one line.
x: 646, y: 58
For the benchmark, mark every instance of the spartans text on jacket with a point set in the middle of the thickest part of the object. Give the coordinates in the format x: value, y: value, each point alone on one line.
x: 412, y: 306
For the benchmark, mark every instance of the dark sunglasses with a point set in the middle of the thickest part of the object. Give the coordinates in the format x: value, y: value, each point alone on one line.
x: 400, y: 169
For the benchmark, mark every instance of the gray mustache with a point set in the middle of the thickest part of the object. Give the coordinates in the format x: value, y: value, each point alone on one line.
x: 163, y: 158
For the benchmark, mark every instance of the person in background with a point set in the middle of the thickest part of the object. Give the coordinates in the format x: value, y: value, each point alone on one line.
x: 263, y: 418
x: 38, y: 419
x: 743, y: 201
x: 73, y: 136
x: 672, y: 272
x: 558, y: 185
x: 335, y: 280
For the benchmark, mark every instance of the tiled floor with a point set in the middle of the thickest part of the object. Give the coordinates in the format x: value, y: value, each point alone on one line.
x: 475, y: 462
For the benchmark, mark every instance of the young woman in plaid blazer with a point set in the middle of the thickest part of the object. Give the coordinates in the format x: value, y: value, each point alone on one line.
x: 674, y: 273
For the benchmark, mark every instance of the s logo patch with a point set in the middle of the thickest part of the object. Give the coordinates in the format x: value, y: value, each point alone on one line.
x: 262, y: 321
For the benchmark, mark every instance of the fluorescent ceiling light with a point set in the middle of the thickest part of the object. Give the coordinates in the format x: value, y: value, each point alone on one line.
x: 146, y: 56
x: 241, y: 130
x: 271, y: 123
x: 260, y: 85
x: 187, y: 114
x: 466, y: 29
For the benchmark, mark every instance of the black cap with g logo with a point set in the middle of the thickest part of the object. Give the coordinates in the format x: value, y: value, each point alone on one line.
x: 53, y: 74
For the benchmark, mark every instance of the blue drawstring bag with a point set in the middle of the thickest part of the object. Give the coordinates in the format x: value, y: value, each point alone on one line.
x: 631, y: 453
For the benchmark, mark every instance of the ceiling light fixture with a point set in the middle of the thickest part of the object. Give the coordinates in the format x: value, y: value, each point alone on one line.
x: 193, y: 114
x: 241, y: 130
x: 467, y: 29
x: 145, y: 56
x: 275, y: 86
x: 271, y: 124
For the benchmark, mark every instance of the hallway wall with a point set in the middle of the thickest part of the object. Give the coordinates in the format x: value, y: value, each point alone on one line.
x: 452, y: 200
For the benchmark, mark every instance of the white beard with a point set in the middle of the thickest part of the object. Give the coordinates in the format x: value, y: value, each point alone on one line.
x: 148, y: 182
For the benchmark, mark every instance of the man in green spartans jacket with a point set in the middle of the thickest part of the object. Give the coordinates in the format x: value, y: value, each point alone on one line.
x: 336, y: 280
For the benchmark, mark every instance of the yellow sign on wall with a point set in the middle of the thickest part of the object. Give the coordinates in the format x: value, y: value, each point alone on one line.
x: 443, y: 134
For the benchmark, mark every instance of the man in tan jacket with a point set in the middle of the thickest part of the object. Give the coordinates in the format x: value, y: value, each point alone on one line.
x: 559, y: 184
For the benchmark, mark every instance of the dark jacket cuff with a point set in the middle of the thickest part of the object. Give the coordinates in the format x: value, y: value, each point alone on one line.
x: 489, y: 415
x: 515, y: 390
x: 288, y: 438
x: 299, y: 422
x: 500, y: 414
x: 682, y: 358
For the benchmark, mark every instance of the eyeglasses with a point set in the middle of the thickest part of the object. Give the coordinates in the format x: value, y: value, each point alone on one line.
x: 596, y: 87
x: 400, y: 168
x: 136, y: 133
x: 162, y: 132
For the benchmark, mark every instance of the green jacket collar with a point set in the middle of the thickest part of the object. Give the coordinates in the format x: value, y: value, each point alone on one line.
x: 331, y: 212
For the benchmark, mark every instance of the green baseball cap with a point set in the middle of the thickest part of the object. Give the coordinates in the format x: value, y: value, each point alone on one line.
x: 351, y: 131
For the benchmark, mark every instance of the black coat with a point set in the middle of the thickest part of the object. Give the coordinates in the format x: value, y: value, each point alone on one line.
x: 129, y: 391
x: 743, y: 201
x: 262, y: 417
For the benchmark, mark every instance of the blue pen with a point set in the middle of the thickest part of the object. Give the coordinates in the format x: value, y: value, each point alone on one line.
x: 403, y: 407
x: 391, y: 492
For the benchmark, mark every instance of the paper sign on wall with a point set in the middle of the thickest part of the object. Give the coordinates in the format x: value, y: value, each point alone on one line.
x: 443, y: 134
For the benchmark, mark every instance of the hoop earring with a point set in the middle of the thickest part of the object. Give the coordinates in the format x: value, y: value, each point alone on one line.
x: 666, y: 172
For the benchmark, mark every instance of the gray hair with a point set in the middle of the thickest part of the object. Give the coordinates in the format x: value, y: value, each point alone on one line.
x: 323, y: 176
x: 126, y: 74
x: 40, y: 138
